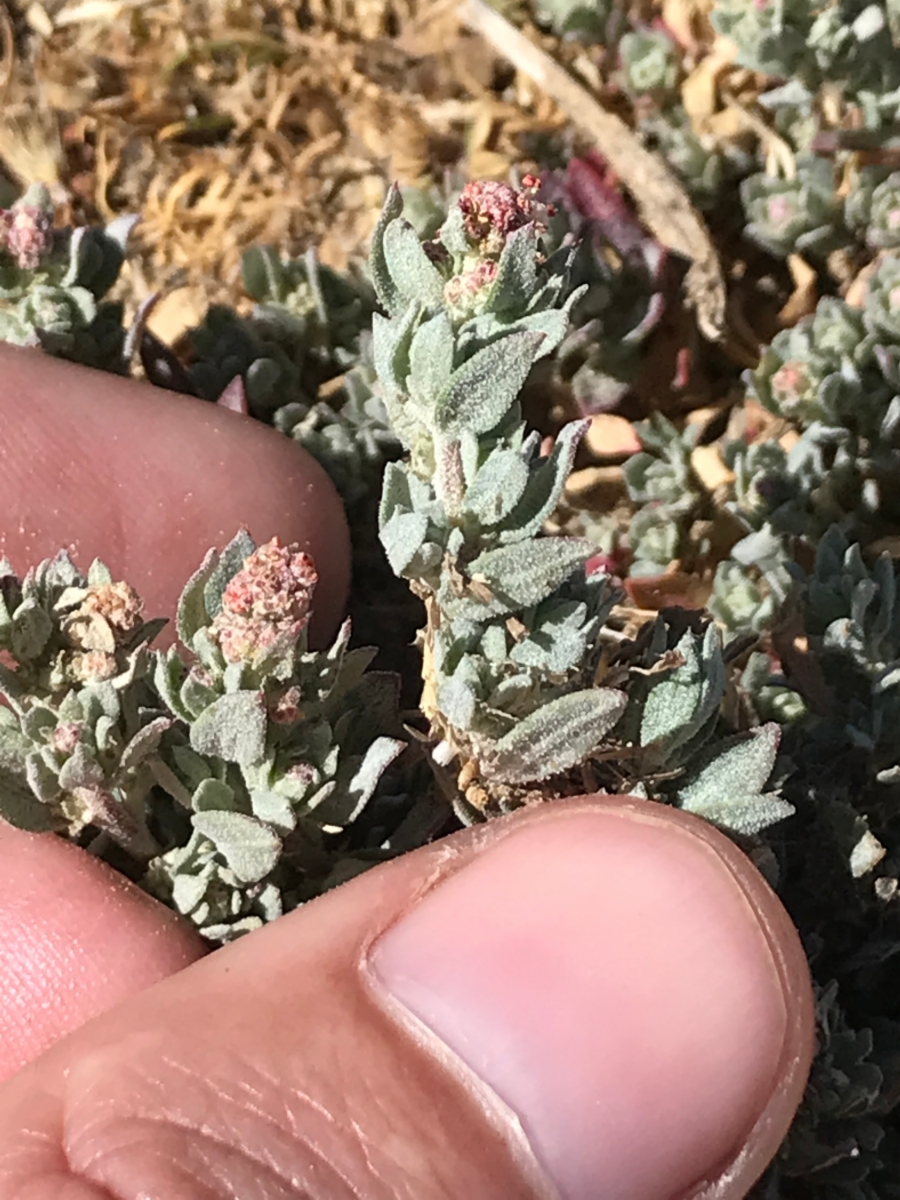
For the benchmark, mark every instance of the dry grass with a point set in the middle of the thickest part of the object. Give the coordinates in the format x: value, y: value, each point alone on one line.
x: 224, y: 123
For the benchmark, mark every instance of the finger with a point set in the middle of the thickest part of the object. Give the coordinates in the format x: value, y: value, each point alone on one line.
x: 76, y: 938
x: 148, y: 481
x: 597, y: 997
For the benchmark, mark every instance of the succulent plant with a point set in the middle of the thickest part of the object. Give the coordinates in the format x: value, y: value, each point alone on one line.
x: 799, y: 215
x: 820, y: 369
x: 583, y: 19
x: 303, y: 331
x: 650, y: 61
x: 52, y: 283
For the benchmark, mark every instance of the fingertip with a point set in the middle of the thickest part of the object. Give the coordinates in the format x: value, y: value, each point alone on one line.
x: 149, y: 480
x: 76, y: 938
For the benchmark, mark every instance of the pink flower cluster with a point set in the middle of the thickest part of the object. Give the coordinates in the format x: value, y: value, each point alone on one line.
x: 266, y: 601
x: 26, y: 232
x: 493, y: 210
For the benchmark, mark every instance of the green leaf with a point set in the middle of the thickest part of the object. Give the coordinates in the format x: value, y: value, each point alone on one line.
x: 516, y: 277
x: 144, y: 743
x: 485, y: 387
x: 232, y: 728
x: 431, y: 359
x: 555, y: 737
x: 385, y: 288
x: 681, y: 704
x: 525, y: 573
x: 227, y: 565
x: 191, y: 614
x: 497, y: 487
x: 212, y: 795
x: 402, y: 538
x: 250, y: 848
x: 31, y: 629
x: 415, y: 275
x: 545, y: 486
x: 725, y: 787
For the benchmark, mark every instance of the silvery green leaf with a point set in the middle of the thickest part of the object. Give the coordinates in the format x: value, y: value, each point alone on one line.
x: 681, y: 703
x: 555, y: 737
x: 250, y: 848
x: 431, y: 359
x: 453, y: 232
x: 525, y: 573
x: 744, y: 814
x: 104, y: 696
x: 207, y: 651
x: 414, y: 274
x: 402, y: 538
x: 106, y: 735
x: 80, y: 769
x: 516, y: 272
x: 168, y: 676
x: 494, y: 644
x: 347, y: 800
x: 274, y: 808
x: 385, y: 288
x: 194, y: 767
x: 497, y: 487
x: 194, y: 695
x: 19, y: 806
x: 98, y: 573
x: 191, y: 613
x: 33, y: 724
x: 483, y: 389
x: 42, y: 780
x: 188, y: 892
x: 457, y: 700
x: 725, y: 787
x: 559, y: 642
x: 232, y: 728
x: 227, y: 564
x: 402, y: 490
x: 31, y: 629
x: 545, y: 485
x: 391, y: 342
x: 212, y: 795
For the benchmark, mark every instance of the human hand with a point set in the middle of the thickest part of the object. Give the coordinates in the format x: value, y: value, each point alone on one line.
x: 599, y: 993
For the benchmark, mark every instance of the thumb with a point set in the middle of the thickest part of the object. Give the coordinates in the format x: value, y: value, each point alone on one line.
x: 593, y: 998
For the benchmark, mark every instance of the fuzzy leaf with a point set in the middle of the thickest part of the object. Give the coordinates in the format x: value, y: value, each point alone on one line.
x: 545, y: 486
x: 144, y: 743
x: 483, y: 389
x: 726, y: 788
x: 525, y: 573
x: 385, y: 288
x: 497, y: 487
x: 191, y: 614
x: 555, y: 737
x: 212, y: 795
x: 402, y: 539
x: 346, y: 803
x: 31, y: 628
x: 250, y: 848
x: 456, y: 700
x: 229, y: 562
x: 414, y: 274
x: 516, y: 272
x: 232, y: 728
x: 680, y: 704
x: 431, y: 359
